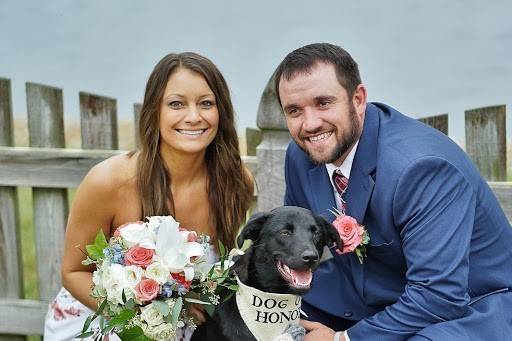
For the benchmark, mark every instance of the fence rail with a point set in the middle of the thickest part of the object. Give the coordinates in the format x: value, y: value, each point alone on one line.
x: 49, y: 169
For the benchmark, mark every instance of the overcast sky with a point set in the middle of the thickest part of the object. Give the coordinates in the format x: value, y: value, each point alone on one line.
x: 423, y: 58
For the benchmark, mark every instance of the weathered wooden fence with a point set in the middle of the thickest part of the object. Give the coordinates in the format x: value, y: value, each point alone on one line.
x: 50, y: 169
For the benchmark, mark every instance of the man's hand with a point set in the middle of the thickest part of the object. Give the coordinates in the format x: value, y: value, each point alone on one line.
x: 318, y: 332
x: 197, y: 312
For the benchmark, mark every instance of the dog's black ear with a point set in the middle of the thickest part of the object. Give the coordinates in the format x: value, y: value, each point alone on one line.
x: 241, y: 266
x: 331, y: 235
x: 252, y: 229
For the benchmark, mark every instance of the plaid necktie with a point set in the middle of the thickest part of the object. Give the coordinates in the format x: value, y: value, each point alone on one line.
x: 341, y: 184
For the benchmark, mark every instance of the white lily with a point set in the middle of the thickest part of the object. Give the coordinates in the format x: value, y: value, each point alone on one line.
x: 138, y: 234
x: 173, y: 250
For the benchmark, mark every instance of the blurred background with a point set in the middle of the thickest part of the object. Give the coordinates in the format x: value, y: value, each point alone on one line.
x: 424, y: 58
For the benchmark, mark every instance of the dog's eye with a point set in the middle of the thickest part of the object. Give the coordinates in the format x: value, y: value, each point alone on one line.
x: 284, y: 233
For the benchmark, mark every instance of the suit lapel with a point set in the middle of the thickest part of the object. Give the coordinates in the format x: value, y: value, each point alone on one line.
x: 321, y: 192
x: 361, y: 183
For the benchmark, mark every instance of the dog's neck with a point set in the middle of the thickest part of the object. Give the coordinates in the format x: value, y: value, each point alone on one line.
x: 267, y: 315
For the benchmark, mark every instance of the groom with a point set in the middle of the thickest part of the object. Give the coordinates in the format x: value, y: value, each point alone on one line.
x: 439, y: 262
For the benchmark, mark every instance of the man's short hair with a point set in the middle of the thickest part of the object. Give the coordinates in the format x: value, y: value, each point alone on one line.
x: 304, y: 58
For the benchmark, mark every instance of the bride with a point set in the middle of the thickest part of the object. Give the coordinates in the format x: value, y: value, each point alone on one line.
x: 188, y: 166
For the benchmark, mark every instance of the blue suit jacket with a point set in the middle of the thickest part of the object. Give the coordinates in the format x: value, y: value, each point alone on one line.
x: 439, y: 250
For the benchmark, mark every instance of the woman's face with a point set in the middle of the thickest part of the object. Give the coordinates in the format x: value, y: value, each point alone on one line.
x: 189, y: 118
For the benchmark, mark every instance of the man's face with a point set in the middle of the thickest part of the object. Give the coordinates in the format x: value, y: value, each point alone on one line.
x: 322, y: 119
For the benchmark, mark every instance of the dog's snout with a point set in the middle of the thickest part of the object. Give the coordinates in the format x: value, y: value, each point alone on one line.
x: 310, y: 256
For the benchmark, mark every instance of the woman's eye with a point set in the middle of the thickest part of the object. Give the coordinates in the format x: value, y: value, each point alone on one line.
x: 207, y: 104
x: 284, y: 233
x: 176, y: 104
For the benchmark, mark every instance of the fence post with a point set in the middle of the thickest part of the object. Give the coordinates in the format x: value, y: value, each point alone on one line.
x: 137, y: 107
x: 46, y: 129
x: 98, y: 122
x: 440, y: 122
x: 11, y: 265
x: 272, y: 150
x: 486, y: 141
x: 252, y: 140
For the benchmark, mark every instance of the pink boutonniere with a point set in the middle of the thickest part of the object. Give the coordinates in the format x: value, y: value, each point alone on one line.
x: 353, y: 235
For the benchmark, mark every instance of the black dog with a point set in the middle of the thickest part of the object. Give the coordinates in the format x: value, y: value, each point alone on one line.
x: 287, y: 244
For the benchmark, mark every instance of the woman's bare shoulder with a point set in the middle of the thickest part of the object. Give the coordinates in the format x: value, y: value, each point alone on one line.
x: 113, y: 173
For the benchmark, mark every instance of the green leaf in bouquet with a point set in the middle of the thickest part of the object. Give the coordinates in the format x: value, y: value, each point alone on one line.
x: 222, y: 250
x: 162, y: 307
x: 94, y: 252
x: 233, y: 287
x: 195, y: 300
x: 168, y: 318
x: 88, y: 321
x: 130, y: 304
x: 121, y: 318
x: 210, y: 309
x: 88, y: 261
x: 107, y: 329
x: 100, y: 241
x: 133, y: 334
x: 102, y: 306
x: 123, y: 296
x: 176, y: 311
x: 84, y: 335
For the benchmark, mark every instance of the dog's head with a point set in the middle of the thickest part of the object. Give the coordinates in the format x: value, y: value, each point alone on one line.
x: 287, y: 244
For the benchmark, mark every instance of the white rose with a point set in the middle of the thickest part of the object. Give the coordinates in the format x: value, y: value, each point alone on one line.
x: 138, y: 234
x: 158, y: 272
x: 151, y: 315
x: 133, y: 275
x: 113, y: 276
x: 114, y: 279
x: 161, y: 332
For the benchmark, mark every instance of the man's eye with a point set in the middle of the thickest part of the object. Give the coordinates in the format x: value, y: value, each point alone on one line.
x: 293, y: 112
x: 284, y: 233
x: 176, y: 104
x: 323, y: 104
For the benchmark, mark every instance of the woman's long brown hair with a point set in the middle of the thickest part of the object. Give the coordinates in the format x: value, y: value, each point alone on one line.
x: 230, y: 189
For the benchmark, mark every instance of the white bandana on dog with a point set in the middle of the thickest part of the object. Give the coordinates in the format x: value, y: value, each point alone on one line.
x: 266, y: 314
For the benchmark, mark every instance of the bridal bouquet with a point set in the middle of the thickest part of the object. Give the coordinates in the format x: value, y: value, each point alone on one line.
x: 148, y: 274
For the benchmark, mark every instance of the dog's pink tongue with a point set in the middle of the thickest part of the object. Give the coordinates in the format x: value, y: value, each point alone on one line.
x: 303, y: 277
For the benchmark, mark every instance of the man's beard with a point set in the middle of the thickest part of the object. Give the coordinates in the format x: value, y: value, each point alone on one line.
x: 348, y: 139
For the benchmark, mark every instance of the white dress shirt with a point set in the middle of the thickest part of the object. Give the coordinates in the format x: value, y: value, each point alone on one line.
x: 345, y: 169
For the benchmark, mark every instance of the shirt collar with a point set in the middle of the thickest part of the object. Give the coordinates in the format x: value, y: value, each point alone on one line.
x: 345, y: 167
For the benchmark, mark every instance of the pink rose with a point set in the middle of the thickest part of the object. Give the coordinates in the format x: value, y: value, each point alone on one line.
x: 147, y: 289
x: 139, y: 256
x: 192, y: 236
x: 351, y: 233
x: 117, y: 232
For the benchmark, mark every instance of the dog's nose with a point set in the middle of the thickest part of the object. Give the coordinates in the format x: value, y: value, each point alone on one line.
x: 309, y: 256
